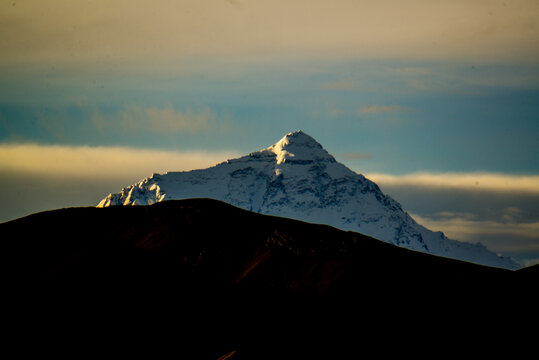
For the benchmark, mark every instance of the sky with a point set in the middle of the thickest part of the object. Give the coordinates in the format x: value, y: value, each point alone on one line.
x: 436, y: 101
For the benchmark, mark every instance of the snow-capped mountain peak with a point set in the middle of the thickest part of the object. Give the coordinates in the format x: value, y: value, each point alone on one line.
x: 298, y: 146
x: 297, y: 178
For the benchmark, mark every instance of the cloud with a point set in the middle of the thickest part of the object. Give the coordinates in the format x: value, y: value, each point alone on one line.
x: 136, y: 118
x: 147, y: 32
x: 519, y: 239
x: 170, y: 120
x: 412, y: 71
x: 464, y: 228
x: 339, y: 85
x: 504, y: 219
x: 234, y: 2
x: 454, y: 214
x: 374, y: 109
x: 498, y: 210
x: 83, y: 162
x: 466, y: 181
x: 512, y: 214
x: 42, y: 177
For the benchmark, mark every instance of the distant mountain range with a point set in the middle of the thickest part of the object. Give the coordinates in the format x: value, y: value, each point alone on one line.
x: 298, y: 179
x: 203, y: 279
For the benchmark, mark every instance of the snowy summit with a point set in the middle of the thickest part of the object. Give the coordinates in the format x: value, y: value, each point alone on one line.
x: 297, y: 178
x: 299, y: 146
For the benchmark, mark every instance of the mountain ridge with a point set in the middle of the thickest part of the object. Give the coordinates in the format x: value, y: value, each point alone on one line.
x: 201, y: 278
x: 297, y: 178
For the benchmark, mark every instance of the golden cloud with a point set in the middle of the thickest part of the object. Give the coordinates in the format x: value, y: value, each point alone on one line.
x: 465, y: 181
x: 145, y: 32
x: 339, y: 85
x: 84, y: 162
x: 466, y: 229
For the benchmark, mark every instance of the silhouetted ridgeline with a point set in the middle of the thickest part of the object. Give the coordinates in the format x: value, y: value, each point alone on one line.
x: 203, y: 278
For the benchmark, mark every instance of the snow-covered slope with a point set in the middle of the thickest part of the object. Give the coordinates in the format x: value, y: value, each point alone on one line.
x: 297, y: 178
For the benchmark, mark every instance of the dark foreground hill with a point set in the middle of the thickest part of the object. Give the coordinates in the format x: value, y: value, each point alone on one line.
x: 200, y: 279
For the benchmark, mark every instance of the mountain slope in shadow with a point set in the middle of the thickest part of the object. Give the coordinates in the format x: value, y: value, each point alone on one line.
x: 205, y: 278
